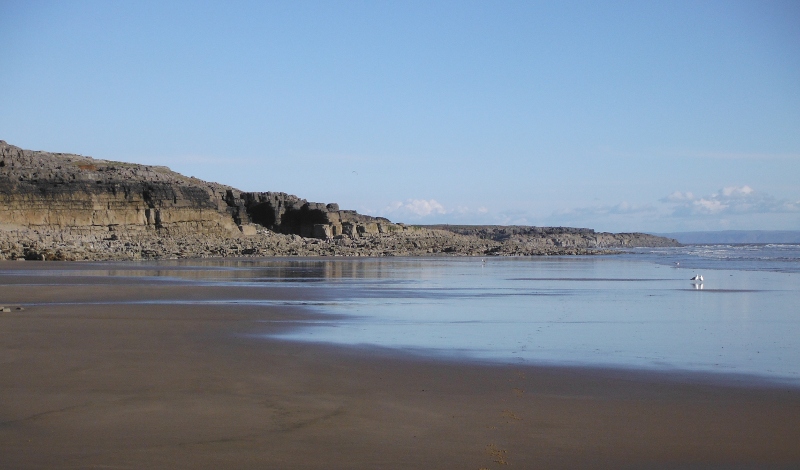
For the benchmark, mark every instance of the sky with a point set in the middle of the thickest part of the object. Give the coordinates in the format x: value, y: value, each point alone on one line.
x: 618, y: 116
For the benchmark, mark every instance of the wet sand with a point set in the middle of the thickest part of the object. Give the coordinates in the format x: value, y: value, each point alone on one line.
x: 191, y: 386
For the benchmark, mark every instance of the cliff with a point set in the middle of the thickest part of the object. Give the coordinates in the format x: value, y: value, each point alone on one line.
x: 56, y: 206
x: 82, y: 195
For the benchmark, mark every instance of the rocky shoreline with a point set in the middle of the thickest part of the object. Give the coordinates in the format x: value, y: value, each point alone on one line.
x: 70, y: 207
x: 38, y: 245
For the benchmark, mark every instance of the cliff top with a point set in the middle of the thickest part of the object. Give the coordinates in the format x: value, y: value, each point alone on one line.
x: 32, y: 165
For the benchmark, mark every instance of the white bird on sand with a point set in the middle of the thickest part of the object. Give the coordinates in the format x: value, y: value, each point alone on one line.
x: 697, y: 277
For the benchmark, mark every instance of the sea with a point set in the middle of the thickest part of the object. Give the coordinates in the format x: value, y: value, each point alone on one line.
x: 638, y: 309
x: 634, y: 310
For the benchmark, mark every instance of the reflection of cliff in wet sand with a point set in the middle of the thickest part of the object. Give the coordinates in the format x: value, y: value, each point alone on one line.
x: 63, y: 206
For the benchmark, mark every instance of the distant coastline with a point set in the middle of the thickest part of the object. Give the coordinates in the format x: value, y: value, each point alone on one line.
x: 735, y: 236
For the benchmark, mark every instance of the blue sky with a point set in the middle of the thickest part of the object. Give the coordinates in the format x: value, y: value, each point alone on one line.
x: 619, y: 116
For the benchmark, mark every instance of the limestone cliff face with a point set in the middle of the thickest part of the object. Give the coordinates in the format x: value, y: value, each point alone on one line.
x: 83, y: 195
x: 289, y: 214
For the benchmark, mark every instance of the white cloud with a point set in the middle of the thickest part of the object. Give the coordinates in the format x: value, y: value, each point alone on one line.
x: 732, y: 206
x: 708, y: 206
x: 728, y: 201
x: 432, y: 211
x: 734, y: 191
x: 678, y: 196
x: 416, y: 208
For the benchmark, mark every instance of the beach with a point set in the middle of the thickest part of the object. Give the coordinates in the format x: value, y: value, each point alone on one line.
x: 91, y: 379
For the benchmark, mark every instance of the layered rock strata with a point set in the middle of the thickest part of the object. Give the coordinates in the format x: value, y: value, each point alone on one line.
x: 56, y: 206
x: 80, y: 195
x: 284, y: 213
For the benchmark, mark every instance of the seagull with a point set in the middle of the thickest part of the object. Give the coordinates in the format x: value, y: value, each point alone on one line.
x: 697, y: 277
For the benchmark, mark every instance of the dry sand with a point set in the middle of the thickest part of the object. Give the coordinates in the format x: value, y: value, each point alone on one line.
x: 191, y: 386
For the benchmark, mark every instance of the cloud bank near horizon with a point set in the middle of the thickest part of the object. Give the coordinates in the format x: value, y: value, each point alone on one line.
x: 427, y: 211
x: 730, y: 206
x: 729, y: 200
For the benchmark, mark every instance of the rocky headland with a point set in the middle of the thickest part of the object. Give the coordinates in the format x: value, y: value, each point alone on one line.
x: 56, y: 206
